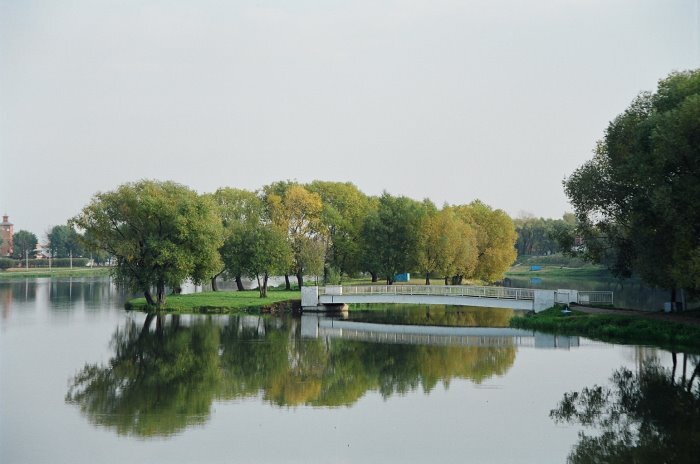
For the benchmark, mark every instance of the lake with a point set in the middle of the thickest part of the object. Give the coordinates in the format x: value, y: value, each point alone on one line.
x: 82, y: 380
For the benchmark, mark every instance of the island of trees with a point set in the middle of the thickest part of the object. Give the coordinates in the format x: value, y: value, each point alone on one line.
x: 162, y: 233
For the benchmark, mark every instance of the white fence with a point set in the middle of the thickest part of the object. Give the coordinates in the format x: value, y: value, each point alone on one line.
x: 562, y: 296
x: 599, y: 298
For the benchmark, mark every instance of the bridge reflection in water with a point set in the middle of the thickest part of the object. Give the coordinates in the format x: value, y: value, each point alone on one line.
x: 317, y: 326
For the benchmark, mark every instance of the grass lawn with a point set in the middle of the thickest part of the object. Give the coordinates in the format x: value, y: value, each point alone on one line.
x: 15, y: 273
x: 559, y: 271
x: 615, y: 328
x: 223, y: 302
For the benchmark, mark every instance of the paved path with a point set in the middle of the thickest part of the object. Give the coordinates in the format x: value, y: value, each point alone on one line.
x: 691, y: 317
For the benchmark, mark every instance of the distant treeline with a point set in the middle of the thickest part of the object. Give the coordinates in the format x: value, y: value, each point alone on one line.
x: 540, y: 236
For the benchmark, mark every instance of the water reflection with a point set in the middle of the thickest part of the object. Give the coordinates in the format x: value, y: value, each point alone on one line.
x: 648, y: 416
x: 438, y: 315
x: 63, y: 294
x: 164, y: 374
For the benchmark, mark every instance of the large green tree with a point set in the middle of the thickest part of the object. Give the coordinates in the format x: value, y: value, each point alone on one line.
x: 64, y: 241
x: 238, y: 209
x: 24, y: 244
x: 293, y: 208
x: 160, y: 233
x: 264, y: 251
x: 391, y: 235
x: 495, y: 239
x: 447, y: 246
x: 637, y: 200
x: 345, y: 209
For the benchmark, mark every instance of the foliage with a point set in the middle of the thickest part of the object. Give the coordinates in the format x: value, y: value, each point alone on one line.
x: 6, y: 263
x: 266, y: 252
x: 64, y: 241
x: 160, y: 233
x: 23, y: 242
x: 238, y: 210
x: 391, y: 236
x: 298, y: 211
x: 540, y: 236
x: 345, y: 209
x: 495, y: 239
x: 645, y: 417
x: 636, y: 200
x: 447, y: 246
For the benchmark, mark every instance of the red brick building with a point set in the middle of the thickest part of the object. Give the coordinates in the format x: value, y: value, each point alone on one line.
x: 7, y: 230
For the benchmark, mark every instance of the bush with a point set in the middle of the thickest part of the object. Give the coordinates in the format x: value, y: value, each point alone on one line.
x: 6, y: 263
x: 44, y: 263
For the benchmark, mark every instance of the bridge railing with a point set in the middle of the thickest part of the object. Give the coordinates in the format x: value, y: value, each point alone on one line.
x: 441, y: 290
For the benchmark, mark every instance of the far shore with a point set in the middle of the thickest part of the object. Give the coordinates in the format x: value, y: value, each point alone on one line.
x: 20, y: 272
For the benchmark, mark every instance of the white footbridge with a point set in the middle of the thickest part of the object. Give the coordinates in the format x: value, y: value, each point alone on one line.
x: 525, y: 299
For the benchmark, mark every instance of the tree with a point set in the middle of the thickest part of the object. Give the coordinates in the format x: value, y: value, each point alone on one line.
x: 345, y: 209
x: 447, y: 245
x: 391, y: 235
x: 64, y: 241
x: 24, y: 244
x: 636, y: 201
x: 495, y: 239
x: 266, y: 251
x: 298, y: 211
x: 237, y: 208
x: 160, y: 233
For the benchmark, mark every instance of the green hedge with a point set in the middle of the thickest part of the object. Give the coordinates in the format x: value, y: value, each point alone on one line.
x: 42, y: 263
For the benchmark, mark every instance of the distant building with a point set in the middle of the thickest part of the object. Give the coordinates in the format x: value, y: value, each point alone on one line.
x: 7, y: 230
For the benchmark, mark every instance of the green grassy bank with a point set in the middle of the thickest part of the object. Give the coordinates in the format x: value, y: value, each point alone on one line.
x: 587, y: 271
x: 223, y: 302
x: 54, y: 272
x: 623, y: 329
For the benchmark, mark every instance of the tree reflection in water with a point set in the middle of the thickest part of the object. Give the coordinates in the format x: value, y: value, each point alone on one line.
x: 158, y: 381
x: 650, y: 416
x: 163, y: 379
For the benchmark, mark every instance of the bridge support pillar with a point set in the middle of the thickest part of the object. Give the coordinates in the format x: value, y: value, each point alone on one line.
x: 543, y: 299
x: 310, y: 302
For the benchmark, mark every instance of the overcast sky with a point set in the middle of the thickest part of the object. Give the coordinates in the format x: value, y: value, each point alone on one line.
x: 445, y: 99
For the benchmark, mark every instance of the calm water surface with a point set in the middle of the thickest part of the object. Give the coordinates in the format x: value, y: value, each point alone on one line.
x: 81, y: 380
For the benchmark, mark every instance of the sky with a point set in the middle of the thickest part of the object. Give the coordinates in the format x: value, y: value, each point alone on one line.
x: 498, y: 100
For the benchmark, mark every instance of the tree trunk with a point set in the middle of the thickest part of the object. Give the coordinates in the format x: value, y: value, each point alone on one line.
x: 160, y: 294
x: 213, y: 284
x: 375, y: 278
x: 147, y: 324
x: 287, y: 285
x: 239, y: 283
x: 447, y: 280
x: 261, y: 289
x: 673, y: 299
x: 265, y: 284
x: 427, y: 278
x: 149, y: 298
x: 300, y: 279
